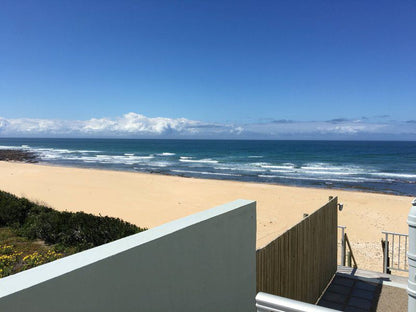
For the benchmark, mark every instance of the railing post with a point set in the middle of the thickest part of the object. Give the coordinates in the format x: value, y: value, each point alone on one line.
x: 386, y: 253
x: 411, y: 254
x: 343, y: 248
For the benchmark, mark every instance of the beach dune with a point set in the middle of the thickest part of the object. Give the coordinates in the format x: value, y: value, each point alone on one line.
x: 149, y: 200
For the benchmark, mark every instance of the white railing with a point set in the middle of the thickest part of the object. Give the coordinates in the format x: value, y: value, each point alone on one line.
x: 271, y: 303
x: 346, y: 255
x: 395, y: 252
x: 343, y: 247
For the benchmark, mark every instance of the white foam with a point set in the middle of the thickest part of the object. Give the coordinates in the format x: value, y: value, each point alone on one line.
x: 351, y: 180
x: 160, y: 164
x: 278, y: 167
x: 86, y: 151
x: 85, y: 159
x: 206, y: 173
x: 394, y: 175
x: 259, y: 164
x: 49, y: 150
x: 302, y: 177
x: 166, y: 154
x: 205, y: 161
x: 267, y: 165
x: 240, y: 168
x: 255, y: 156
x: 145, y: 157
x: 316, y: 172
x: 56, y: 150
x: 112, y: 159
x: 281, y: 171
x: 327, y: 167
x: 267, y: 176
x: 50, y: 156
x: 10, y: 147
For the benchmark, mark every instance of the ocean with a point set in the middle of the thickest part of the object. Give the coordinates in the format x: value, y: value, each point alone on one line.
x: 376, y: 166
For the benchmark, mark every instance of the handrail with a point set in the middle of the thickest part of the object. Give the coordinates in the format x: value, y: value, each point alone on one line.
x: 389, y: 252
x: 351, y: 253
x: 270, y: 303
x: 342, y: 227
x: 344, y: 242
x: 394, y: 233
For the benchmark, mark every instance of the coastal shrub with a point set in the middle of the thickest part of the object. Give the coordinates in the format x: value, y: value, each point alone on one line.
x: 75, y: 229
x: 80, y: 230
x: 13, y: 210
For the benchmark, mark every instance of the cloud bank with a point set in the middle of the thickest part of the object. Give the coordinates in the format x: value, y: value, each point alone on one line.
x: 133, y: 125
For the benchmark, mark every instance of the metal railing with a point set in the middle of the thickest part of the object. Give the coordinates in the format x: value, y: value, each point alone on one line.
x: 342, y: 228
x: 395, y: 246
x: 271, y: 303
x: 347, y: 256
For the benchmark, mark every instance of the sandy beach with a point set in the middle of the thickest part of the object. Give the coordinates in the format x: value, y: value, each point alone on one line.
x: 149, y: 200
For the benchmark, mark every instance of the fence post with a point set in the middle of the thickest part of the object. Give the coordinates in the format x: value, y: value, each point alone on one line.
x: 386, y: 254
x: 411, y: 254
x: 343, y: 247
x: 349, y: 259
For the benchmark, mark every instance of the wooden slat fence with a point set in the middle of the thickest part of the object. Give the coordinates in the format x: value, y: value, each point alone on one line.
x: 300, y: 263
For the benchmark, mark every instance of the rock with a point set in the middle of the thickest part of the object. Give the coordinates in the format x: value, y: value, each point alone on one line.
x: 18, y: 155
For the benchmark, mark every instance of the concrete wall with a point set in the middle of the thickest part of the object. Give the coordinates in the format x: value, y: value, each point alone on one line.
x: 203, y: 262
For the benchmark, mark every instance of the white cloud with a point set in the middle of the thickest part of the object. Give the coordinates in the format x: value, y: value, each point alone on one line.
x: 131, y: 124
x: 137, y: 125
x: 3, y: 123
x: 341, y: 129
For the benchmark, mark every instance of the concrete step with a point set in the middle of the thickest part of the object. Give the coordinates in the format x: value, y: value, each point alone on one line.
x: 372, y: 276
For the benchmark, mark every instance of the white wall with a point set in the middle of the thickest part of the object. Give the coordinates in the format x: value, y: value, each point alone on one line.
x: 203, y: 262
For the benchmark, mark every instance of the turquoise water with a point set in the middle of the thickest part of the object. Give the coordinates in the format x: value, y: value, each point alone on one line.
x: 387, y: 167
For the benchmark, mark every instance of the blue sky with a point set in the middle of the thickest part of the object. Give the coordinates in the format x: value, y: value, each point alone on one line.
x: 258, y: 69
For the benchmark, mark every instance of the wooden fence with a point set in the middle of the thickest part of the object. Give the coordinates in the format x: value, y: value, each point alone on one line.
x: 300, y: 263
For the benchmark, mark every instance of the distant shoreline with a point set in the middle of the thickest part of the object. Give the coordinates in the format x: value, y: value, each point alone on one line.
x: 380, y: 167
x: 16, y: 155
x: 317, y: 187
x: 201, y: 139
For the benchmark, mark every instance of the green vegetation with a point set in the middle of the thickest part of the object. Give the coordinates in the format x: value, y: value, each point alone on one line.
x: 19, y: 253
x: 32, y: 234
